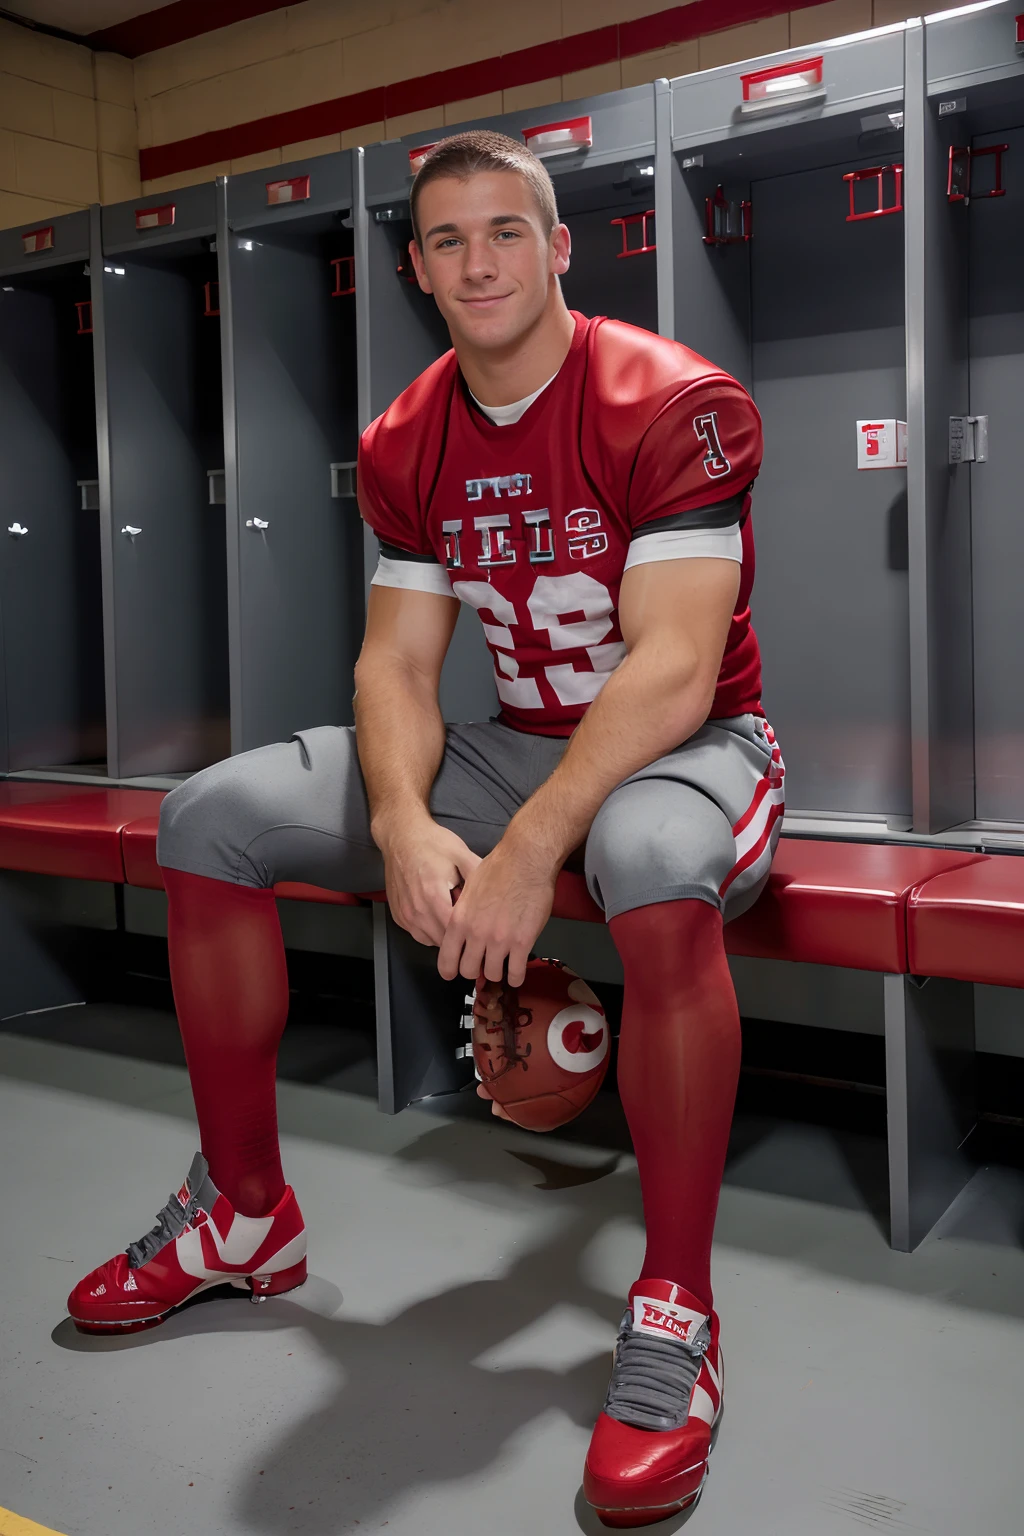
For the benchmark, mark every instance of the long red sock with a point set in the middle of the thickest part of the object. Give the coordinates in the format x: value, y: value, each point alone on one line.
x: 230, y: 984
x: 679, y: 1058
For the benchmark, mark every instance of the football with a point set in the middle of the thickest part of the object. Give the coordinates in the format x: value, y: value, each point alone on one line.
x: 542, y: 1049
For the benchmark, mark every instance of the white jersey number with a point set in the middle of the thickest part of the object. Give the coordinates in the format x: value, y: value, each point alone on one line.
x: 551, y: 599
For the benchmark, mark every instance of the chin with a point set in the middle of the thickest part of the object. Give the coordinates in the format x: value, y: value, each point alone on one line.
x: 492, y: 332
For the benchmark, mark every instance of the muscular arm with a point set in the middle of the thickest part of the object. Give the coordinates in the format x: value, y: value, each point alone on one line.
x: 400, y: 736
x: 675, y: 617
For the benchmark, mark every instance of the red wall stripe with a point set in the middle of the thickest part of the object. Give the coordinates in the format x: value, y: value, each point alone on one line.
x: 563, y: 56
x: 176, y: 23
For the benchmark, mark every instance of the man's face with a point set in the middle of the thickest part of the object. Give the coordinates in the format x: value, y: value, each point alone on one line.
x: 486, y: 257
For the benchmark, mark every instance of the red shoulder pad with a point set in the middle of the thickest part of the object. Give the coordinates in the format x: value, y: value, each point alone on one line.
x: 647, y: 392
x: 399, y: 455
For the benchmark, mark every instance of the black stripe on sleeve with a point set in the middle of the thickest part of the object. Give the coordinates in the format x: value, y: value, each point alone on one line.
x: 721, y: 514
x: 392, y: 552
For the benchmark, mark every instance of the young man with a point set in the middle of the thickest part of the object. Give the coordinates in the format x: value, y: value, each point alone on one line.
x: 585, y: 486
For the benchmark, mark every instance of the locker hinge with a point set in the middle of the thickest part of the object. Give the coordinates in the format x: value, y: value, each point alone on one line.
x: 968, y: 439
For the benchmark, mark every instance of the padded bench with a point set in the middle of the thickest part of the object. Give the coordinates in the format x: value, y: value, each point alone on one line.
x: 840, y: 904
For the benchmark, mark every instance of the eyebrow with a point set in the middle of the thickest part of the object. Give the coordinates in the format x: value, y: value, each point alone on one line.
x: 496, y: 222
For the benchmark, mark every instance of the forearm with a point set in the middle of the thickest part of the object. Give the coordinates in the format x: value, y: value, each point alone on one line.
x: 654, y: 701
x: 400, y: 736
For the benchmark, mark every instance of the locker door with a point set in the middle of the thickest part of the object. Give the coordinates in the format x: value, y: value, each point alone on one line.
x: 167, y: 649
x: 997, y: 491
x: 50, y: 590
x: 298, y: 580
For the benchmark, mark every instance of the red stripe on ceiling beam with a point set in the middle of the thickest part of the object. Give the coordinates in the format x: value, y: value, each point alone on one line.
x: 565, y: 55
x: 176, y: 23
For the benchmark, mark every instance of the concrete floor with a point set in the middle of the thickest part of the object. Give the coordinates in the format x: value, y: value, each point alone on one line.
x: 440, y: 1371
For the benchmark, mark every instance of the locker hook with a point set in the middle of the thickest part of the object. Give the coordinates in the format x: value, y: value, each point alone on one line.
x: 18, y: 531
x: 130, y: 531
x: 257, y: 522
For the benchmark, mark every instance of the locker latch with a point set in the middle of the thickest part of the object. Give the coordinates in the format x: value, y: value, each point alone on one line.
x: 968, y: 439
x: 646, y: 244
x: 959, y: 183
x: 343, y: 480
x: 726, y: 223
x: 877, y: 174
x: 344, y: 276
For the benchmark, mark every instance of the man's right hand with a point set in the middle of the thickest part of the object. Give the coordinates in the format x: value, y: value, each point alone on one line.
x: 423, y: 864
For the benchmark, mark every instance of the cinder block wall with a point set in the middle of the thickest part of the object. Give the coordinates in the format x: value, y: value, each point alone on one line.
x: 72, y: 122
x: 328, y: 48
x: 68, y: 134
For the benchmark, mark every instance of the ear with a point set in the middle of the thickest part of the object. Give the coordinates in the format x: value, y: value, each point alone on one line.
x: 418, y: 266
x: 561, y: 249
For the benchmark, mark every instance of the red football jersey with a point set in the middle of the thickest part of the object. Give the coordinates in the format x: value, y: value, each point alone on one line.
x: 638, y: 449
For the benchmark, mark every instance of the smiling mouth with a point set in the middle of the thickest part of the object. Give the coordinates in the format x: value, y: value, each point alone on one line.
x: 485, y: 303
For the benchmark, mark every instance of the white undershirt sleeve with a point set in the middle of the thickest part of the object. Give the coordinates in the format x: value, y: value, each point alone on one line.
x: 413, y: 576
x: 687, y: 544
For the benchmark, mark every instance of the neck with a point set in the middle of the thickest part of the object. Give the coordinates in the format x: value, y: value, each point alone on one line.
x: 509, y: 374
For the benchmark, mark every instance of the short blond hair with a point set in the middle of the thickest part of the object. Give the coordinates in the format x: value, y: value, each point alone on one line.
x: 481, y: 149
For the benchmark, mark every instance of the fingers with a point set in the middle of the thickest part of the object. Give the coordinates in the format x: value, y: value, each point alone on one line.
x: 449, y: 954
x: 518, y: 958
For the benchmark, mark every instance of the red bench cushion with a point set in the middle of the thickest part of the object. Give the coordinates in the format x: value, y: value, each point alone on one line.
x: 141, y: 868
x: 839, y: 903
x: 826, y: 903
x: 969, y: 923
x: 67, y: 829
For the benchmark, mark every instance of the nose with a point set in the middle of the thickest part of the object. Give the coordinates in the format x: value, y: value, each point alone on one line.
x: 479, y: 264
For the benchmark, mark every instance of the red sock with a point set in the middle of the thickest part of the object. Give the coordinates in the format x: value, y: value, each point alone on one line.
x: 230, y: 984
x: 679, y: 1059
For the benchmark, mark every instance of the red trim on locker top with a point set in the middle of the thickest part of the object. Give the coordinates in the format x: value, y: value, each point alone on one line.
x: 562, y: 56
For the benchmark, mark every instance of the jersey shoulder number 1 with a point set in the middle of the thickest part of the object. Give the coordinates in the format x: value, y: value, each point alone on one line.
x: 716, y: 464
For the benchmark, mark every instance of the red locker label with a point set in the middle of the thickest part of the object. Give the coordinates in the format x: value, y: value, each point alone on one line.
x: 154, y: 218
x: 38, y: 240
x: 296, y: 190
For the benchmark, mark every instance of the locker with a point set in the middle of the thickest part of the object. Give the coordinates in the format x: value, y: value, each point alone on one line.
x: 160, y: 416
x: 295, y: 580
x: 766, y: 274
x: 50, y: 582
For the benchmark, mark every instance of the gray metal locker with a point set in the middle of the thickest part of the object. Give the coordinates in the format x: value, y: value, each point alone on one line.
x: 613, y: 272
x: 975, y: 112
x: 295, y: 546
x: 765, y: 274
x: 50, y: 585
x: 160, y: 418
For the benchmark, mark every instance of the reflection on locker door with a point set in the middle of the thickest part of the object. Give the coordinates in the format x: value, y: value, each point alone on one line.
x: 997, y: 496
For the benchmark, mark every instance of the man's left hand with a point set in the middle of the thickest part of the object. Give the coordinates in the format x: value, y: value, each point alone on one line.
x: 504, y: 904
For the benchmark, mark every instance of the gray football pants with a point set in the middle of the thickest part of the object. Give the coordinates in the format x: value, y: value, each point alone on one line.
x: 298, y: 811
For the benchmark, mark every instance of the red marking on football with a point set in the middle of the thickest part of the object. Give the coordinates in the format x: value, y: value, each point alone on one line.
x: 541, y: 1050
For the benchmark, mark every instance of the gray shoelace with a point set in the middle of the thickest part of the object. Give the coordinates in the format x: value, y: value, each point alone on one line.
x: 174, y: 1218
x: 653, y: 1379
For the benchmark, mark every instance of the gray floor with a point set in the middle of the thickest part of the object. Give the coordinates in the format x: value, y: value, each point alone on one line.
x: 440, y: 1371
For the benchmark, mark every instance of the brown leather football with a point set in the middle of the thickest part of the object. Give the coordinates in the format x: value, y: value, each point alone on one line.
x: 541, y: 1050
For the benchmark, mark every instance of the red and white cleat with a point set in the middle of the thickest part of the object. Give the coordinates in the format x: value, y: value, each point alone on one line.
x: 648, y: 1458
x: 199, y: 1241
